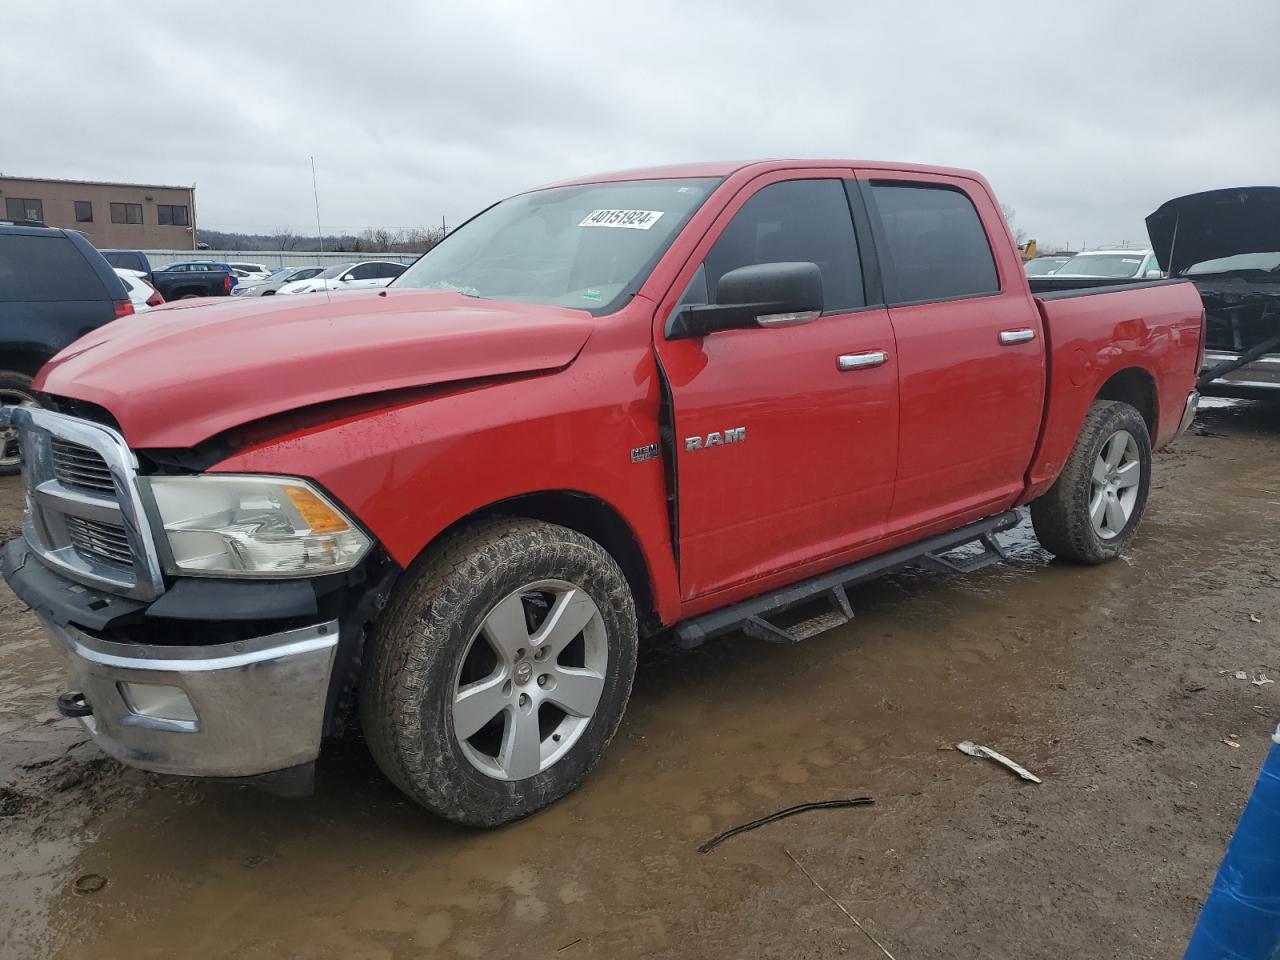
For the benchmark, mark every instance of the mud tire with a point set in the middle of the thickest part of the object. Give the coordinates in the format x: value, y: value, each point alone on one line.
x: 1060, y: 516
x: 413, y: 656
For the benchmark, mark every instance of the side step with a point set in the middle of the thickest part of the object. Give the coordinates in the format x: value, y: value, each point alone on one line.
x: 764, y: 617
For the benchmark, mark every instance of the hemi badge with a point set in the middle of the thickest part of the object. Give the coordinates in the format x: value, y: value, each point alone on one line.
x: 648, y: 452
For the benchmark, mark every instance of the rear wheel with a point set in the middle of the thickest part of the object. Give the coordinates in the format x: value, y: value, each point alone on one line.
x: 1093, y: 508
x: 15, y: 390
x: 500, y: 671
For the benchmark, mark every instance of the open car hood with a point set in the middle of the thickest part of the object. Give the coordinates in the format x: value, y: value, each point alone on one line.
x: 1215, y: 224
x: 177, y: 375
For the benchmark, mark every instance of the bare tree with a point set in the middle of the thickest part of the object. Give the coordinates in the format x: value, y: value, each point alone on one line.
x: 1019, y: 235
x: 284, y: 238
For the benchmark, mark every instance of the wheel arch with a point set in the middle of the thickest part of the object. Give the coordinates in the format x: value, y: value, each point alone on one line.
x: 1136, y: 387
x: 592, y: 517
x: 24, y: 360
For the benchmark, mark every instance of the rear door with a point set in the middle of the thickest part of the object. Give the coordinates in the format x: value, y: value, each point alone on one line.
x: 970, y: 352
x: 785, y: 454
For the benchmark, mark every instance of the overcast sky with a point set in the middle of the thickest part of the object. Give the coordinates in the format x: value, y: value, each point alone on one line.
x: 1084, y: 116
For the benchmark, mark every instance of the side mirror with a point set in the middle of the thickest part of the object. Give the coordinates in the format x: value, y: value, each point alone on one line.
x: 1154, y: 274
x: 346, y: 278
x: 758, y: 295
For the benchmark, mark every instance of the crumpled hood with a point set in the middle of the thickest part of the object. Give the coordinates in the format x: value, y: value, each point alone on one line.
x: 1214, y: 224
x: 178, y: 375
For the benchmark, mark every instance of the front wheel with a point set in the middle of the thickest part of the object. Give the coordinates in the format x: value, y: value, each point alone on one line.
x: 15, y: 390
x: 500, y: 670
x: 1093, y: 508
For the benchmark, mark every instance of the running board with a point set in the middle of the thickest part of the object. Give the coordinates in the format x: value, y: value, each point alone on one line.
x: 759, y: 617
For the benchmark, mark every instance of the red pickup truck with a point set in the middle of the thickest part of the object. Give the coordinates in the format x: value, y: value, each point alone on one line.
x: 674, y: 401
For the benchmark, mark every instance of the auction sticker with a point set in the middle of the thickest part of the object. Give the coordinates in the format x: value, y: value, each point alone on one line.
x: 627, y: 219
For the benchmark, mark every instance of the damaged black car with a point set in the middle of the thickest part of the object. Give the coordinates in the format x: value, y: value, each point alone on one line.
x: 1228, y: 243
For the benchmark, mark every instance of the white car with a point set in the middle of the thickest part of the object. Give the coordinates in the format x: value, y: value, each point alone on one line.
x: 349, y: 276
x: 142, y: 294
x: 250, y: 272
x: 1116, y: 264
x: 271, y: 286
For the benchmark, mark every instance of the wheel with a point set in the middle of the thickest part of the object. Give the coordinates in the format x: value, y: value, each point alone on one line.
x: 189, y: 296
x: 1093, y: 508
x: 15, y: 390
x: 500, y: 670
x: 268, y: 293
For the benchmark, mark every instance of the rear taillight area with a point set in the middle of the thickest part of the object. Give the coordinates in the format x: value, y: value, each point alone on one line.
x: 123, y: 308
x: 155, y: 300
x: 227, y: 283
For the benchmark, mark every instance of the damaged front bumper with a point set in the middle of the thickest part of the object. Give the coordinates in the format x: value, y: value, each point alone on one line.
x: 249, y: 706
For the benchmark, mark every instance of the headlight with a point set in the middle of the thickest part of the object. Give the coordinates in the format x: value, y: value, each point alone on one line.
x: 303, y: 289
x: 247, y: 526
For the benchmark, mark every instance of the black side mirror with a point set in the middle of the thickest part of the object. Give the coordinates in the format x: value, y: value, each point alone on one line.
x: 758, y: 295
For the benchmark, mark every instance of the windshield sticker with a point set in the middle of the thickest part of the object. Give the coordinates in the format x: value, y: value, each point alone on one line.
x: 595, y: 295
x: 627, y: 219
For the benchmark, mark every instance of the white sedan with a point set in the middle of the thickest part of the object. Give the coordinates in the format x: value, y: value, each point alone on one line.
x: 142, y: 294
x: 349, y: 276
x: 252, y: 272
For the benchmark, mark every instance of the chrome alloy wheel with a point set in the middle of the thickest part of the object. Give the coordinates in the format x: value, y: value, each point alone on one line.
x: 10, y: 454
x: 530, y: 679
x: 1113, y: 488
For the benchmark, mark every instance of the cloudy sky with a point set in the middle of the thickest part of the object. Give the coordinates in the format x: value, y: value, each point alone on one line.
x: 1084, y: 116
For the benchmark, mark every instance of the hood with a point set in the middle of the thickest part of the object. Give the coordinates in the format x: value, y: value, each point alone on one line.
x: 1214, y: 224
x: 182, y: 373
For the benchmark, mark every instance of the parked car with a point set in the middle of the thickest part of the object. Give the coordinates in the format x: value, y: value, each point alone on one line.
x: 272, y: 285
x: 1228, y: 242
x: 684, y: 401
x: 188, y: 279
x: 1113, y: 264
x: 1043, y: 266
x: 54, y: 288
x: 129, y: 260
x: 251, y: 271
x: 142, y: 294
x: 349, y: 276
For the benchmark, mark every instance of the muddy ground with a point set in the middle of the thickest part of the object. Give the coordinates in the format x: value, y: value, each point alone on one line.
x: 1116, y: 684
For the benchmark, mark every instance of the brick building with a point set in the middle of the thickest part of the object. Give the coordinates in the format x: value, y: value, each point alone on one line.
x: 131, y: 215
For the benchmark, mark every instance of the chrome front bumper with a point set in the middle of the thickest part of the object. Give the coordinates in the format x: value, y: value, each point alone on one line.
x: 229, y: 710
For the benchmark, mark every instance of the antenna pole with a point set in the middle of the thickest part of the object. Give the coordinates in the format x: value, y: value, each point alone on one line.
x: 315, y: 192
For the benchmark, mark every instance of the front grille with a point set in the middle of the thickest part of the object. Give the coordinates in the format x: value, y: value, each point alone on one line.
x: 77, y: 466
x: 97, y: 540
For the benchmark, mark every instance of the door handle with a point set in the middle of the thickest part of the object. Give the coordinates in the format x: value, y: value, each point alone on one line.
x: 860, y: 361
x: 1009, y: 337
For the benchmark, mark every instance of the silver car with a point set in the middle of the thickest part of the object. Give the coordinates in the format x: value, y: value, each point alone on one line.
x: 269, y: 286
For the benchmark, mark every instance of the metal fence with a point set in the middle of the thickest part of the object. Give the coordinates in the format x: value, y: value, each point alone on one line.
x: 274, y: 258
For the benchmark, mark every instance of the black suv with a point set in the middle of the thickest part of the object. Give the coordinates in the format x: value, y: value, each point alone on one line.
x: 54, y: 288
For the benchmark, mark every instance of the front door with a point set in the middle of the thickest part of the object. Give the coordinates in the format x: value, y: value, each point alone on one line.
x: 786, y: 438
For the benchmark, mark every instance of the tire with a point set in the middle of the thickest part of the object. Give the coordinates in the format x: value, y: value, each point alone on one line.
x: 15, y: 389
x: 436, y: 666
x: 1066, y: 517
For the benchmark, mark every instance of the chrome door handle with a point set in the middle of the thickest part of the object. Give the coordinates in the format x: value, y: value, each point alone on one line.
x: 860, y: 361
x: 1009, y: 337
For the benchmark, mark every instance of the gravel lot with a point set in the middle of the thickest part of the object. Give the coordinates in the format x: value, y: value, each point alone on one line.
x: 1115, y: 684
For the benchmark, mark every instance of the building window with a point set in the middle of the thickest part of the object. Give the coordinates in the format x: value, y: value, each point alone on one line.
x: 16, y: 208
x: 84, y: 211
x: 171, y: 214
x: 126, y: 213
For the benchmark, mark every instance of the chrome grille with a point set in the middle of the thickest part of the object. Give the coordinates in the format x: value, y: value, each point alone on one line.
x: 85, y: 517
x: 81, y: 467
x: 95, y: 540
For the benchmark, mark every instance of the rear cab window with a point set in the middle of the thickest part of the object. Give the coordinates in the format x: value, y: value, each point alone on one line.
x: 46, y: 268
x: 934, y: 246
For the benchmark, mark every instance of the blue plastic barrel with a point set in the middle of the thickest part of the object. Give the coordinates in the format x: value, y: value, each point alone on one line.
x: 1241, y: 917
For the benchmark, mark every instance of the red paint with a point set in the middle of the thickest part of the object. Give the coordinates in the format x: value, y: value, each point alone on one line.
x: 525, y: 399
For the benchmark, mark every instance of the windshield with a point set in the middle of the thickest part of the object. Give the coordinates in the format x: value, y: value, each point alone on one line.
x: 1043, y: 266
x: 580, y: 246
x: 1104, y: 265
x: 281, y: 273
x: 1264, y: 262
x: 333, y: 273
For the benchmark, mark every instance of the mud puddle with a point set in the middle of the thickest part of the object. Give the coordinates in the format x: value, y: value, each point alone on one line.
x: 1106, y: 682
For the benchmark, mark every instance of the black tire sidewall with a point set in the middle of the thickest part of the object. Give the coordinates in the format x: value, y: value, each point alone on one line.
x: 14, y: 383
x: 433, y: 766
x: 1117, y: 418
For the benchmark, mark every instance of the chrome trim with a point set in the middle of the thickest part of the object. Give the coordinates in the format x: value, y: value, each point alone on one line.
x: 861, y: 361
x: 259, y: 703
x: 1188, y: 413
x: 1023, y: 335
x: 50, y: 501
x: 1213, y: 357
x: 772, y: 320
